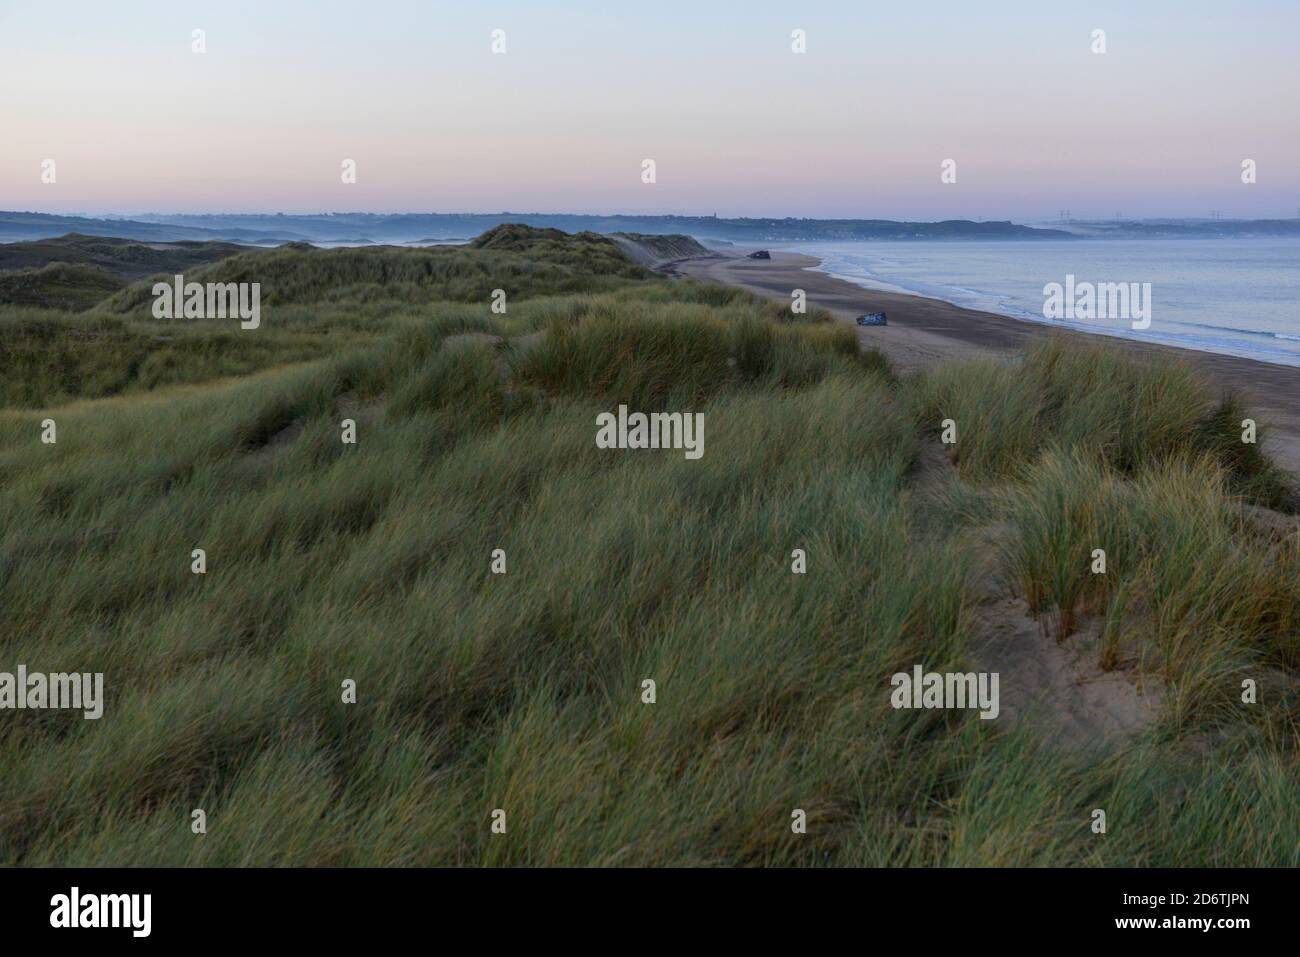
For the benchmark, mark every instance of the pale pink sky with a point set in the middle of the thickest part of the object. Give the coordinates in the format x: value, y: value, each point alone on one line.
x: 736, y: 122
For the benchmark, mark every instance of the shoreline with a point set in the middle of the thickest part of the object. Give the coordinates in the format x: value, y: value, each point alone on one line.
x: 1055, y: 324
x: 923, y: 332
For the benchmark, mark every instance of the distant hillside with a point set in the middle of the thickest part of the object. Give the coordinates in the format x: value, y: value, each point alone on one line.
x: 362, y: 228
x: 425, y: 228
x: 23, y: 226
x: 123, y: 257
x: 1183, y: 228
x: 58, y: 286
x: 411, y: 227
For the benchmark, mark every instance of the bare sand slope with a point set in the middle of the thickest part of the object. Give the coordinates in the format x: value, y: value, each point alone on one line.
x: 924, y: 331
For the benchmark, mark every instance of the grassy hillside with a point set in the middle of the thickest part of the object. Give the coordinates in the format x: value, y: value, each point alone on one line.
x: 127, y: 258
x: 58, y: 286
x: 587, y: 252
x: 372, y: 562
x: 521, y: 261
x: 322, y: 301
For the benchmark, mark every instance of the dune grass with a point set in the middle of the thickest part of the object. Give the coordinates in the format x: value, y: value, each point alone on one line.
x: 1126, y: 411
x: 57, y: 286
x: 523, y: 691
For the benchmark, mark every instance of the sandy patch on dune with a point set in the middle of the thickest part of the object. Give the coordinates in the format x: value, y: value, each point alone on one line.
x: 1059, y: 688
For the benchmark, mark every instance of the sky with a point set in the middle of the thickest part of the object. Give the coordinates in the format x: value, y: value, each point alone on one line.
x: 736, y: 122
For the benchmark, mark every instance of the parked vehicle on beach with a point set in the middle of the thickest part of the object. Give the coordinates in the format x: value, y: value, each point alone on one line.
x: 873, y: 319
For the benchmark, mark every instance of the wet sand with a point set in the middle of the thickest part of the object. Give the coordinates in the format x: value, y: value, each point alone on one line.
x: 924, y: 331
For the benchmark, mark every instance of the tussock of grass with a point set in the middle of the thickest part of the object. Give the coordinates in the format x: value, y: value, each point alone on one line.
x: 1128, y: 412
x: 1187, y: 585
x: 646, y: 356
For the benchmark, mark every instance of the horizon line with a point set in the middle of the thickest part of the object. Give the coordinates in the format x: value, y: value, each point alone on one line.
x: 623, y: 215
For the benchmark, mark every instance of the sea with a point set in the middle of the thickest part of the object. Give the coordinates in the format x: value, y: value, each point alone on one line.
x: 1238, y: 297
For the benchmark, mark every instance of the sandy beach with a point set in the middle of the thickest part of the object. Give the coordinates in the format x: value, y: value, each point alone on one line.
x: 923, y: 331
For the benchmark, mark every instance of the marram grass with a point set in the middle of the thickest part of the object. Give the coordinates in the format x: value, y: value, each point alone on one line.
x: 522, y: 691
